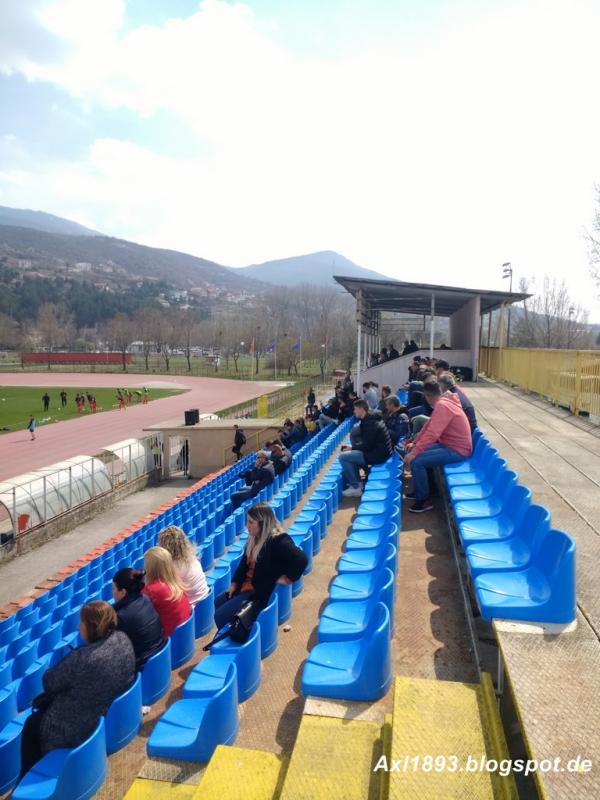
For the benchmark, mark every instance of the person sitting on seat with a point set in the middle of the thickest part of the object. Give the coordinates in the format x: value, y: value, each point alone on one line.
x: 396, y: 421
x: 386, y: 392
x: 448, y: 384
x: 444, y: 439
x: 370, y: 394
x: 80, y: 688
x: 165, y: 590
x: 136, y: 616
x: 280, y: 456
x: 270, y: 557
x: 185, y: 558
x: 329, y: 413
x: 261, y: 475
x: 392, y: 352
x: 375, y: 447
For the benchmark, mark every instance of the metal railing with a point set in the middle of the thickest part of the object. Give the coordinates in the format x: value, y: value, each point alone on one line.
x: 276, y: 401
x: 569, y: 378
x: 60, y: 488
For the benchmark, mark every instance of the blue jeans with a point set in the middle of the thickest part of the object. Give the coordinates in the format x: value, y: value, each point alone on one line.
x: 237, y: 498
x: 226, y: 608
x: 435, y: 456
x: 351, y: 460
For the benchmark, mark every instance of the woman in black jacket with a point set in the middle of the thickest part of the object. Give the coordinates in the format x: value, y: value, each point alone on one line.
x: 270, y: 557
x: 136, y: 615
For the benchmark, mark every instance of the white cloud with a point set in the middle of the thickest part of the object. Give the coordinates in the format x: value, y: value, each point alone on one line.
x: 438, y: 162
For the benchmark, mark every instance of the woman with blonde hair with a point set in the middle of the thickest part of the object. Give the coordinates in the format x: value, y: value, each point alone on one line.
x: 187, y: 566
x: 270, y: 557
x: 165, y: 589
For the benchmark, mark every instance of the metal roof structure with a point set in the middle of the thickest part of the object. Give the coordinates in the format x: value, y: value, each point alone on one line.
x: 415, y: 298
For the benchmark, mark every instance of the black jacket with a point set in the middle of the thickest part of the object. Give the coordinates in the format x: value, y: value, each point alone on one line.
x: 467, y: 407
x: 278, y: 556
x: 376, y: 444
x: 259, y: 477
x: 137, y: 618
x: 239, y: 440
x: 282, y: 463
x: 397, y: 425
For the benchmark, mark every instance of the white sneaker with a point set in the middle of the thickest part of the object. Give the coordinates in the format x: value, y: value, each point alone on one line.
x: 350, y: 492
x: 146, y: 710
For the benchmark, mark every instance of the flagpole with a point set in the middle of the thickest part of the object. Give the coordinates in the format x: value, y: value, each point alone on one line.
x: 275, y: 357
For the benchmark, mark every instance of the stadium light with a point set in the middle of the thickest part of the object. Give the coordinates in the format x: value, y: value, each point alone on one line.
x: 507, y: 272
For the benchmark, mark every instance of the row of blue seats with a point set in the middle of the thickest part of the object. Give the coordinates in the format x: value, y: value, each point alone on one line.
x: 124, y: 717
x: 521, y: 567
x: 208, y: 714
x: 53, y: 623
x: 352, y: 659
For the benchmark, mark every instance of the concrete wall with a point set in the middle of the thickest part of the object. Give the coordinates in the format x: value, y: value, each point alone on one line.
x: 395, y: 372
x: 464, y: 332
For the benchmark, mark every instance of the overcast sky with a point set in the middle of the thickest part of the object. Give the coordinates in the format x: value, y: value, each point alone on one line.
x: 431, y: 140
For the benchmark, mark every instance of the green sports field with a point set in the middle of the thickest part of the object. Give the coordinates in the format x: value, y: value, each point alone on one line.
x: 18, y: 402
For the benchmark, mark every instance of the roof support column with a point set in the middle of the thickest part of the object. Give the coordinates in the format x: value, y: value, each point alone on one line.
x: 432, y: 325
x: 358, y: 338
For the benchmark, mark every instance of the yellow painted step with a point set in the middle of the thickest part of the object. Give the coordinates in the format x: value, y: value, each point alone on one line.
x: 142, y: 789
x: 459, y: 724
x: 235, y: 773
x: 333, y: 759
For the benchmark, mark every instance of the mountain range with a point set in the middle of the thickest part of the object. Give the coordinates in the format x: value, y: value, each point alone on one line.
x: 36, y: 236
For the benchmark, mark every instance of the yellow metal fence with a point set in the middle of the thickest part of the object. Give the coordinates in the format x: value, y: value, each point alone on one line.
x: 569, y: 378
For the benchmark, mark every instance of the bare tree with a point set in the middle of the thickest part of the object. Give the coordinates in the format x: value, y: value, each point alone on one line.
x: 9, y: 332
x: 120, y: 331
x: 550, y: 319
x: 147, y: 320
x: 54, y: 325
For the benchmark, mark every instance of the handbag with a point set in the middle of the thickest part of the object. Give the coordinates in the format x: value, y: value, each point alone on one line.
x: 238, y: 630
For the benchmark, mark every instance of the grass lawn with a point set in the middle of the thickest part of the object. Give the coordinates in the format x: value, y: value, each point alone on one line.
x: 18, y: 402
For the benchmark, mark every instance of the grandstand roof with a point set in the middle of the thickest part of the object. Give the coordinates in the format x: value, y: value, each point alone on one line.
x: 415, y: 298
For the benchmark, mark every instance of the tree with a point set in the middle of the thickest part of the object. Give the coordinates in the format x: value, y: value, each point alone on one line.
x: 54, y: 325
x: 549, y: 319
x: 120, y: 332
x: 9, y: 332
x: 147, y: 320
x: 188, y: 332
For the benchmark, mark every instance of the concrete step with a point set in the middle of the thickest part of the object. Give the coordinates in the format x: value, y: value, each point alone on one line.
x: 236, y: 773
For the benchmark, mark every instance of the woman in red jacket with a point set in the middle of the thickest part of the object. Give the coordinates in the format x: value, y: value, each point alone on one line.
x: 165, y: 589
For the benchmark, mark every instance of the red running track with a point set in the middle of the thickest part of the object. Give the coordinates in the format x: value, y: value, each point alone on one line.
x: 89, y: 434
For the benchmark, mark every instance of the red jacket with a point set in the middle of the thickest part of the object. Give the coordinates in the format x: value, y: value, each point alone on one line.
x: 171, y: 612
x: 448, y: 425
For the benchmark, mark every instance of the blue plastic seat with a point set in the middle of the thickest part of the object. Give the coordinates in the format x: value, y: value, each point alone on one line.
x: 10, y: 750
x: 68, y: 774
x: 48, y: 640
x: 183, y: 642
x: 367, y: 560
x: 156, y: 675
x: 8, y: 705
x: 207, y: 553
x: 31, y: 683
x: 363, y: 540
x: 483, y: 489
x: 124, y: 717
x: 489, y: 506
x: 24, y: 659
x: 515, y: 552
x: 267, y: 620
x: 9, y: 631
x: 191, y: 729
x: 18, y: 643
x: 470, y: 464
x: 359, y: 669
x: 284, y: 602
x: 343, y: 620
x: 209, y: 674
x: 355, y: 585
x: 495, y: 528
x: 544, y: 592
x: 204, y: 612
x: 487, y: 464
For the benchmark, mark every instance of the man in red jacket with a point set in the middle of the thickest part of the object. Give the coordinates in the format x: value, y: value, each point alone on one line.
x: 444, y: 439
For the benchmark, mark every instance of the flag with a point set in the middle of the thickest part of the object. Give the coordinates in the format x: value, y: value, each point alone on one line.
x: 251, y: 345
x: 271, y: 347
x: 296, y: 346
x: 325, y: 341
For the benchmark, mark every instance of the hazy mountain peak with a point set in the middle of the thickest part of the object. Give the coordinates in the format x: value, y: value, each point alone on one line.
x: 316, y: 268
x: 41, y: 221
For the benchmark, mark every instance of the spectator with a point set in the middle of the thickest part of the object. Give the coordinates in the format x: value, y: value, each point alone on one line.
x: 413, y: 346
x: 373, y: 360
x: 136, y: 616
x: 80, y: 688
x: 413, y: 368
x: 299, y: 433
x: 393, y: 353
x: 270, y: 557
x: 448, y: 384
x: 383, y: 356
x: 46, y: 401
x: 348, y: 384
x: 165, y: 589
x: 445, y: 439
x: 441, y: 366
x: 386, y: 391
x: 329, y: 413
x: 261, y: 475
x: 185, y: 559
x: 375, y: 447
x: 239, y: 440
x: 406, y: 348
x: 444, y: 346
x: 280, y: 456
x: 370, y: 395
x: 310, y: 400
x: 396, y: 421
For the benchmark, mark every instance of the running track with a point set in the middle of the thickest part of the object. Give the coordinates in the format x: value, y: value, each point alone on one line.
x: 89, y: 434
